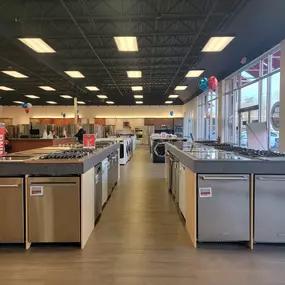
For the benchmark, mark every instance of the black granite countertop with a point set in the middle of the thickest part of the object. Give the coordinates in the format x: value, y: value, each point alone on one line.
x: 203, y: 159
x: 55, y: 167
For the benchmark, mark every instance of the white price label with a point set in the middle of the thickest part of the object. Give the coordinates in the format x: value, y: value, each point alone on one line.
x: 205, y: 192
x: 36, y: 191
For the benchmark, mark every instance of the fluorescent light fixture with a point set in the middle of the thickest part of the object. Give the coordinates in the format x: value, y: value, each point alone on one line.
x: 74, y: 74
x: 110, y: 102
x: 180, y: 88
x: 173, y: 96
x: 134, y: 74
x: 92, y: 88
x: 194, y: 73
x: 138, y: 96
x: 32, y: 96
x: 139, y: 102
x: 137, y: 88
x: 4, y: 88
x: 80, y: 102
x: 47, y: 88
x: 15, y: 74
x: 168, y: 102
x: 216, y: 44
x: 37, y: 44
x: 126, y: 43
x: 66, y: 96
x: 18, y: 102
x: 51, y: 102
x: 102, y: 96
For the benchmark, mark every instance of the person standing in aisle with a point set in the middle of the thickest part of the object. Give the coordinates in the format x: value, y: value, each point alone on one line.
x: 80, y: 133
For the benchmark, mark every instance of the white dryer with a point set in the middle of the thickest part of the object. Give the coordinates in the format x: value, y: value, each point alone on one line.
x: 124, y: 151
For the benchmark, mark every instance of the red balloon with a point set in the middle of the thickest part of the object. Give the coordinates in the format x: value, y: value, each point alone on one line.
x: 213, y: 82
x: 27, y: 110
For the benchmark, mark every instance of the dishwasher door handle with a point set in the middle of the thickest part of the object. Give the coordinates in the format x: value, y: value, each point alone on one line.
x: 244, y: 178
x: 271, y: 179
x: 10, y: 186
x: 53, y: 184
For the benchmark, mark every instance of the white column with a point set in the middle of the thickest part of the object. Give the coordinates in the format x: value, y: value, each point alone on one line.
x: 282, y: 99
x: 75, y: 110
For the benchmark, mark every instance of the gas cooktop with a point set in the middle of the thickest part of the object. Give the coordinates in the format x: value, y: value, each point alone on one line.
x: 246, y: 151
x: 218, y: 155
x: 75, y: 153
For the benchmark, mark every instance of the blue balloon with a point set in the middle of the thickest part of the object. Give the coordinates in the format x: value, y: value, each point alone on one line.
x: 203, y: 84
x: 25, y: 105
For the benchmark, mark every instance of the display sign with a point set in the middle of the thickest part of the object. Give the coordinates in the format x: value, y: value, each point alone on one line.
x: 89, y: 141
x: 37, y: 191
x: 205, y: 192
x: 163, y: 135
x: 274, y: 116
x: 2, y: 139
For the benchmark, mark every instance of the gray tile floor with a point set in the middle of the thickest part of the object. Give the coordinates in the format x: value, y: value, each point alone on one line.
x: 140, y: 239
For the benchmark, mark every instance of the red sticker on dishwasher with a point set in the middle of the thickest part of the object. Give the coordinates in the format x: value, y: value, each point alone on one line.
x: 205, y: 192
x: 36, y: 191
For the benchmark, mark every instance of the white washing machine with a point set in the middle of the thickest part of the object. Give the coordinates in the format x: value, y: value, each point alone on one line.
x: 125, y: 150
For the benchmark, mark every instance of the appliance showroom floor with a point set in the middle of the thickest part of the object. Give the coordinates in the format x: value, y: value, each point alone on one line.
x: 140, y: 239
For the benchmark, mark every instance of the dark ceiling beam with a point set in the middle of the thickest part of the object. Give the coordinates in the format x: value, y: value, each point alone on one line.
x: 126, y: 18
x: 111, y: 35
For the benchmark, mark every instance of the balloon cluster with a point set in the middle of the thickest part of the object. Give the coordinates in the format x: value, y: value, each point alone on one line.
x: 208, y: 83
x: 27, y: 107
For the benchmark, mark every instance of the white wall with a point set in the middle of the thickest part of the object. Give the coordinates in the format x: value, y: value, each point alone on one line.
x: 20, y: 117
x: 190, y: 118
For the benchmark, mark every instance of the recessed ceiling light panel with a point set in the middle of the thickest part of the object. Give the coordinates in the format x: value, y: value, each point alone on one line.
x: 168, y: 102
x: 137, y: 88
x: 51, y: 102
x: 194, y: 73
x: 74, y: 74
x: 126, y: 43
x: 5, y: 88
x: 173, y: 96
x: 15, y: 74
x: 32, y: 96
x: 110, y: 102
x: 18, y: 102
x: 37, y: 44
x: 134, y: 74
x: 216, y: 44
x: 92, y: 88
x: 47, y: 88
x: 138, y: 96
x: 66, y: 96
x: 101, y: 96
x: 81, y: 103
x: 180, y: 88
x: 139, y: 102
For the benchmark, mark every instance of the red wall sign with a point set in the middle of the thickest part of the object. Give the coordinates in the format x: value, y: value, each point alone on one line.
x: 89, y: 141
x: 2, y: 139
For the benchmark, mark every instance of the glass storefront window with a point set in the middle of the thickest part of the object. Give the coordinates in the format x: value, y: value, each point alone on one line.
x: 275, y: 61
x: 250, y: 74
x: 249, y: 95
x: 265, y: 66
x: 264, y: 99
x: 274, y: 111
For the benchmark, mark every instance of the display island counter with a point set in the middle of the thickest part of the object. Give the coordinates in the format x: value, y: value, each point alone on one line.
x: 227, y: 193
x: 55, y: 194
x: 21, y: 144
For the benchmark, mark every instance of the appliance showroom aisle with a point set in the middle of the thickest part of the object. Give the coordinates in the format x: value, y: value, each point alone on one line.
x: 140, y: 240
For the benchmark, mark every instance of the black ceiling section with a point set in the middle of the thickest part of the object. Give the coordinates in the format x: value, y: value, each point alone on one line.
x: 258, y: 28
x: 170, y: 35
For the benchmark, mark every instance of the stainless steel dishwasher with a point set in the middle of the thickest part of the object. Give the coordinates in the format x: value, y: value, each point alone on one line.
x: 269, y: 209
x: 223, y: 203
x: 98, y: 191
x: 12, y: 210
x: 54, y: 209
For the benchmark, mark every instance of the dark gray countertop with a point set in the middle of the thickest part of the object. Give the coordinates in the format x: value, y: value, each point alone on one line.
x: 204, y: 166
x: 55, y: 168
